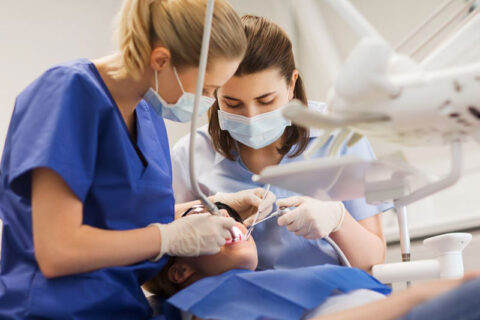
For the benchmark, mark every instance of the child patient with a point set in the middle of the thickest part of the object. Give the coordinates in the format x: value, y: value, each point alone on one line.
x: 224, y: 286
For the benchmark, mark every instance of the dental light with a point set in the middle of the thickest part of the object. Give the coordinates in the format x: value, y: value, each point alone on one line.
x: 384, y: 94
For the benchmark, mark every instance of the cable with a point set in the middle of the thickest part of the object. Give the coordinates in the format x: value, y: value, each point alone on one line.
x: 212, y: 208
x: 341, y: 255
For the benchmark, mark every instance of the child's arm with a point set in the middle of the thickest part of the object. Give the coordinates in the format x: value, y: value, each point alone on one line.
x: 400, y: 303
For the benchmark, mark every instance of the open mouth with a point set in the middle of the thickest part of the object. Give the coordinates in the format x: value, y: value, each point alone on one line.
x: 237, y: 236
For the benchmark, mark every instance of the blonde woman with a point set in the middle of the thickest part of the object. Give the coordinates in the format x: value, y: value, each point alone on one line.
x: 86, y: 167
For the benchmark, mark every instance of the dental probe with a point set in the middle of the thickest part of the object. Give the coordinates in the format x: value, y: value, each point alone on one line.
x: 249, y: 231
x: 279, y: 212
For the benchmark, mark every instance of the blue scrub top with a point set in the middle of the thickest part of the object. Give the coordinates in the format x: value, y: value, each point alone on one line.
x: 277, y: 247
x: 67, y: 121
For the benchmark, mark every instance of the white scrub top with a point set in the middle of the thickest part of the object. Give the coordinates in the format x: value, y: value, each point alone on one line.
x: 277, y: 247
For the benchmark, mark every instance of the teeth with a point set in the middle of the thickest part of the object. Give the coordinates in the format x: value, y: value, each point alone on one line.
x: 237, y: 234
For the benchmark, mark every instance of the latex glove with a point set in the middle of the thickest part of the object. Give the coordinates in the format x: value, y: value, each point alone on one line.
x: 194, y: 235
x: 312, y: 218
x: 247, y: 202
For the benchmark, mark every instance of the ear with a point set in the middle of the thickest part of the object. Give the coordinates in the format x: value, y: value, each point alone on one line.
x: 180, y: 272
x: 293, y: 82
x: 160, y: 58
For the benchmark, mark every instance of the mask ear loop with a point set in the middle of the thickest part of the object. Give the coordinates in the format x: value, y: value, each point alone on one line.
x: 156, y: 81
x: 178, y: 79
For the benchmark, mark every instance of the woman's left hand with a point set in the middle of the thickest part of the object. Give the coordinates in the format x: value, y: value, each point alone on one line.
x: 312, y: 218
x: 247, y: 202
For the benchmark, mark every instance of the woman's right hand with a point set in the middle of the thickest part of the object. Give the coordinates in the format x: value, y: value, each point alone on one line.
x: 194, y: 235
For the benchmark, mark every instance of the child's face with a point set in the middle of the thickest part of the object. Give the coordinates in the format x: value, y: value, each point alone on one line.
x: 241, y: 254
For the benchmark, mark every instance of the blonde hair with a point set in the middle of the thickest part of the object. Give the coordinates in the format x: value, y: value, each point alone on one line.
x: 178, y: 26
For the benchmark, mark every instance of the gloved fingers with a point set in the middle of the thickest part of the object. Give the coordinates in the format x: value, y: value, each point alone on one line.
x: 224, y: 222
x: 248, y: 222
x: 299, y: 223
x: 220, y: 197
x: 267, y: 202
x: 302, y: 232
x: 256, y: 199
x: 314, y: 235
x: 300, y: 220
x: 226, y: 234
x: 220, y: 241
x: 212, y: 251
x: 288, y: 218
x: 224, y: 213
x: 252, y: 200
x: 262, y: 214
x: 306, y: 230
x: 294, y: 201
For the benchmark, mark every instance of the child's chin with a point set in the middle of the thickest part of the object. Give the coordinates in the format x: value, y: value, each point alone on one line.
x: 247, y: 261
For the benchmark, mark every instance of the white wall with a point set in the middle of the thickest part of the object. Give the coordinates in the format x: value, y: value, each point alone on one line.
x: 34, y: 35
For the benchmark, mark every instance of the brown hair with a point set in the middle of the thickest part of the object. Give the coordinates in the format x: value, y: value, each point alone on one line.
x: 268, y: 46
x: 161, y: 284
x: 178, y: 26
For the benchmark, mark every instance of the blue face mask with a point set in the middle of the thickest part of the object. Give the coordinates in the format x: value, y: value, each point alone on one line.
x: 182, y: 110
x: 256, y: 132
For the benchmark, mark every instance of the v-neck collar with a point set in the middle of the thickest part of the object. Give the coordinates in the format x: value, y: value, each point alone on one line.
x: 138, y: 146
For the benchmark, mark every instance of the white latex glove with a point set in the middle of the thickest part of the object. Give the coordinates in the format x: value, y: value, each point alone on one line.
x: 247, y: 202
x: 312, y: 218
x: 194, y: 235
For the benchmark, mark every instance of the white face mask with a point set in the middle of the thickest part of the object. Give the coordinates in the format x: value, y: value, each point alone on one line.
x: 182, y: 110
x: 256, y: 132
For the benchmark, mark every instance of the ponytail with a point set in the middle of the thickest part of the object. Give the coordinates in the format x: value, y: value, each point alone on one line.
x: 178, y: 26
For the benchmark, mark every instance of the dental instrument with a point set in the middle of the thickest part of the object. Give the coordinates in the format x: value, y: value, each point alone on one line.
x: 211, y: 207
x: 250, y: 229
x: 278, y: 213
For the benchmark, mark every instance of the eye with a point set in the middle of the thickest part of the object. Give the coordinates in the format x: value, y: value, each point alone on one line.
x: 231, y: 105
x: 266, y: 103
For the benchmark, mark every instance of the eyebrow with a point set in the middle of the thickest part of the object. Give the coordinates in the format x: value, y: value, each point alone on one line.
x: 256, y: 98
x: 213, y: 86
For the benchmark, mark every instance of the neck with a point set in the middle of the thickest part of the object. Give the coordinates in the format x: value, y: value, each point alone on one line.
x: 257, y: 159
x: 126, y: 91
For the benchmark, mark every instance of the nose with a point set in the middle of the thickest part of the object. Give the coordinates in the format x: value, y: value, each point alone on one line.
x: 250, y: 111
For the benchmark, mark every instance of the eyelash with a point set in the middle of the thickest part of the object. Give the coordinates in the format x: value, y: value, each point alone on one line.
x: 262, y: 103
x: 232, y: 106
x: 266, y: 103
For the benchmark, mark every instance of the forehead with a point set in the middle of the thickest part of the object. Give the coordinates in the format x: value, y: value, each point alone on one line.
x: 254, y: 85
x: 220, y: 70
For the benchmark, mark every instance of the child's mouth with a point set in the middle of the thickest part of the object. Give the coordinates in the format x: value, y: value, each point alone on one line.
x: 237, y: 236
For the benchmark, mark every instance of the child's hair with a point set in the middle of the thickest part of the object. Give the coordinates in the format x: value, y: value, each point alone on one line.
x: 178, y: 26
x: 161, y: 284
x: 268, y: 47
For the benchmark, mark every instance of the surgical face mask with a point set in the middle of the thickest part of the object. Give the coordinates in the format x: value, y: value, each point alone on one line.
x: 182, y: 110
x: 256, y: 132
